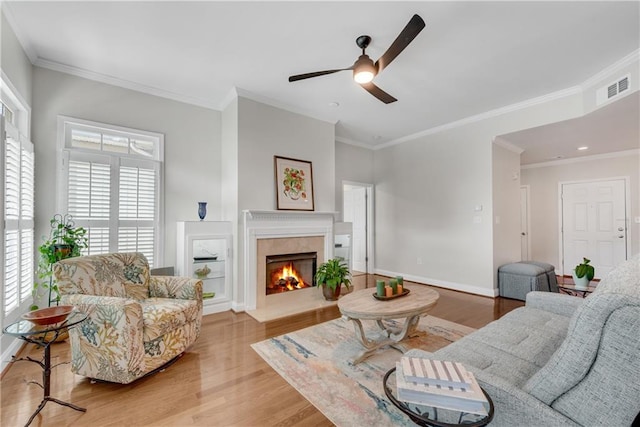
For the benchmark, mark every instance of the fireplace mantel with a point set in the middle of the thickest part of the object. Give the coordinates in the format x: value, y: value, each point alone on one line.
x: 265, y: 224
x: 266, y: 215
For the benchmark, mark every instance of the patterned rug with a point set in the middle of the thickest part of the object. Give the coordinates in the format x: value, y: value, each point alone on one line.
x: 316, y: 361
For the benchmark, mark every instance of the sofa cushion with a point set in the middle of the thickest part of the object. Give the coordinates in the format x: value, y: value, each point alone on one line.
x: 163, y: 315
x: 609, y: 393
x: 624, y: 279
x: 513, y: 347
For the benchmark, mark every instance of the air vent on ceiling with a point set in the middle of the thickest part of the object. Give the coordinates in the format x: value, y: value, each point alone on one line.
x: 612, y: 90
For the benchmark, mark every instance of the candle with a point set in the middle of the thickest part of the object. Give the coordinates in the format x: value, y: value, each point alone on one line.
x: 400, y: 288
x: 388, y: 291
x: 400, y: 280
x: 394, y: 285
x: 380, y: 288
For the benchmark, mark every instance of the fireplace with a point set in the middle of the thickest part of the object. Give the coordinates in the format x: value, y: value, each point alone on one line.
x: 290, y: 272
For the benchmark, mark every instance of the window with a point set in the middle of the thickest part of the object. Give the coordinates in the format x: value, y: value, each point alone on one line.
x: 112, y: 186
x: 18, y: 229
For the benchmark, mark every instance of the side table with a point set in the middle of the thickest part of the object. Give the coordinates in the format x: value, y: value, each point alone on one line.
x: 44, y: 336
x: 430, y: 416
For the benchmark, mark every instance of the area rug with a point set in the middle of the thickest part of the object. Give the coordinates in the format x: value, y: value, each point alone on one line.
x: 316, y: 361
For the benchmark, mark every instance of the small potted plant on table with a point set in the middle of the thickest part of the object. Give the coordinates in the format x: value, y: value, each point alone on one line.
x: 65, y: 241
x: 330, y: 276
x: 583, y: 274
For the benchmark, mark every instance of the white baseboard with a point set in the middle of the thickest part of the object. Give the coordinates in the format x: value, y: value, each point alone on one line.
x: 471, y: 289
x: 9, y: 352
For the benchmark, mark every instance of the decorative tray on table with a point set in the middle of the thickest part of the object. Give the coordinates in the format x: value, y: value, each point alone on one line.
x: 404, y: 292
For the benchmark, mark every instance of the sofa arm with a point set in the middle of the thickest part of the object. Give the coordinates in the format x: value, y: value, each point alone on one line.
x: 512, y: 406
x: 175, y: 287
x: 109, y: 344
x: 564, y: 305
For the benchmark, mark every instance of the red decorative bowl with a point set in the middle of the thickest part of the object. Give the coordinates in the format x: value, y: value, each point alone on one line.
x: 48, y: 316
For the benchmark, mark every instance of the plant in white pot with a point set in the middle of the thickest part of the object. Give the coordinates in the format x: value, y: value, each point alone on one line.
x: 330, y: 276
x: 583, y: 274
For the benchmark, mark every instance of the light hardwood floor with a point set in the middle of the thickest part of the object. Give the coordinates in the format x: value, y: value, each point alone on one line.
x: 219, y: 381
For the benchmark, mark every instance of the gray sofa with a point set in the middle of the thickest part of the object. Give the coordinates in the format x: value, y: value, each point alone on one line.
x: 561, y: 360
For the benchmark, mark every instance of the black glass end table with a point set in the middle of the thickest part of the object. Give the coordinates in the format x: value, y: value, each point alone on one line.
x: 430, y: 416
x: 44, y: 336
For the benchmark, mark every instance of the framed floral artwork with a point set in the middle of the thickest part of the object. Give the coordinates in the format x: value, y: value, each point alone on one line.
x: 294, y: 184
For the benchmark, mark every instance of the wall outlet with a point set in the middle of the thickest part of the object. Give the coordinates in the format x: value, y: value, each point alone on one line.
x: 419, y: 261
x: 637, y: 220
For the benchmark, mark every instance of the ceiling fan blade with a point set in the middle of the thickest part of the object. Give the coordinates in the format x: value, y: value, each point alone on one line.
x: 378, y: 93
x: 316, y: 74
x: 406, y: 36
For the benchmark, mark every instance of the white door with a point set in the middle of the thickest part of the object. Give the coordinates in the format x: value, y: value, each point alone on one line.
x: 524, y: 223
x: 594, y: 225
x: 355, y: 212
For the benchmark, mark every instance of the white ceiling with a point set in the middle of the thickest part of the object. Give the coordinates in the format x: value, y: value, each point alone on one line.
x: 472, y: 57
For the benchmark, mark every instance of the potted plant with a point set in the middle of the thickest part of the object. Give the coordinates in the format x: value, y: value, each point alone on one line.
x: 583, y: 274
x: 65, y: 241
x: 330, y: 276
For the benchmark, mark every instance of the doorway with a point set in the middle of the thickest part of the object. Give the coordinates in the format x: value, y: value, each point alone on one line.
x: 357, y: 208
x: 594, y: 223
x: 525, y: 241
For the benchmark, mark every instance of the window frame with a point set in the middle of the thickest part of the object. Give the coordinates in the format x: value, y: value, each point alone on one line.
x: 65, y: 152
x: 19, y: 130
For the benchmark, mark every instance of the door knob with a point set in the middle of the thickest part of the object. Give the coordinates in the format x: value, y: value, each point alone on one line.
x: 621, y: 236
x: 523, y: 233
x: 620, y: 229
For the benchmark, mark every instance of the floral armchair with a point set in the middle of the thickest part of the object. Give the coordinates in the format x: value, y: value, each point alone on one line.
x: 137, y: 322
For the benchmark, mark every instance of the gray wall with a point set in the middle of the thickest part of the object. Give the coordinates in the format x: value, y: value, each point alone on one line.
x: 192, y: 144
x: 427, y: 191
x: 253, y: 134
x: 543, y: 182
x: 506, y: 207
x: 14, y: 61
x: 353, y: 164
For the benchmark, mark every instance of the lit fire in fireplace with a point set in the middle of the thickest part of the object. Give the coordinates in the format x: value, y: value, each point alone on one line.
x: 286, y: 279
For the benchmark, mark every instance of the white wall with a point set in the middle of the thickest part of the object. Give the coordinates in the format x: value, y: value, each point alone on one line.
x: 543, y: 182
x: 192, y: 144
x: 353, y: 164
x: 426, y: 192
x: 506, y: 207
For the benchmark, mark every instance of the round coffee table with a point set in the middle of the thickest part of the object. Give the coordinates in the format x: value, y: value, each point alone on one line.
x: 430, y: 416
x: 361, y: 305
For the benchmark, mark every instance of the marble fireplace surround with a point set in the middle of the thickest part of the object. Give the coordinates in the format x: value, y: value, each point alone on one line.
x: 282, y: 232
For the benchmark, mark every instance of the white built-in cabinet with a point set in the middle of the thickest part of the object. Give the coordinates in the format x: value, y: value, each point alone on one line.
x: 204, y: 252
x: 342, y: 237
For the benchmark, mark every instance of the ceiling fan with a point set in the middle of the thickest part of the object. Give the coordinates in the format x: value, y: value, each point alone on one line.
x: 364, y: 69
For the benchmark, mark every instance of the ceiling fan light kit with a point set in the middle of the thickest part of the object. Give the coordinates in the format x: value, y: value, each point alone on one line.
x: 364, y: 69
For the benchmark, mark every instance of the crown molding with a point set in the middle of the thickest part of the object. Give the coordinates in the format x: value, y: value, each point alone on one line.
x: 28, y: 48
x: 625, y: 153
x: 114, y: 81
x: 610, y: 71
x: 508, y: 145
x: 281, y: 105
x: 354, y: 143
x: 486, y: 115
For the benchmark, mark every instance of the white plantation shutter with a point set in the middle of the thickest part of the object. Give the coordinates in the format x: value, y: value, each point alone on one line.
x: 113, y: 193
x: 137, y: 208
x: 18, y: 179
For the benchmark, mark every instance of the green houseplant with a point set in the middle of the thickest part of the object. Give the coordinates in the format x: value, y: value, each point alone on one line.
x: 330, y: 276
x: 583, y: 274
x: 65, y: 241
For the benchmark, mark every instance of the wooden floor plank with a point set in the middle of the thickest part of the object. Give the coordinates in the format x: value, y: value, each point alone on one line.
x: 219, y: 381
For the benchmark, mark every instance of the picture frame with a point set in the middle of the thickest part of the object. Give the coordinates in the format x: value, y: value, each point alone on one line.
x: 294, y: 184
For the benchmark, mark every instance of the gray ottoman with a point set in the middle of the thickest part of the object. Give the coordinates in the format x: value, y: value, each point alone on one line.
x: 551, y: 274
x: 519, y: 278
